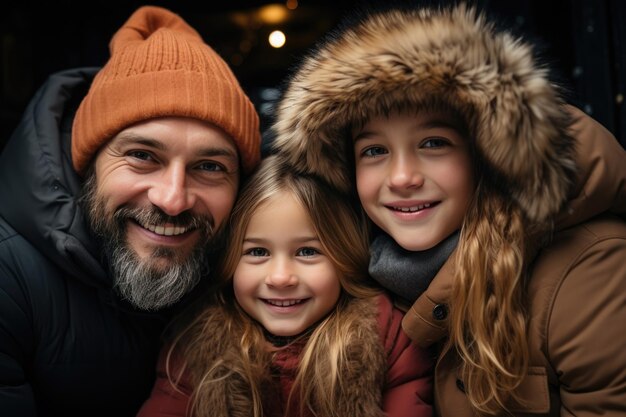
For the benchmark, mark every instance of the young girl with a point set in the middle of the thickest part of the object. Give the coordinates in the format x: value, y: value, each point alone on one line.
x: 295, y: 330
x: 486, y: 192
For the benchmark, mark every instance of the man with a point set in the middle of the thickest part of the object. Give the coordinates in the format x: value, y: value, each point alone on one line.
x: 114, y: 193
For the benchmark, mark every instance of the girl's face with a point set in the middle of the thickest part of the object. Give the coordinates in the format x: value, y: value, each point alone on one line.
x: 414, y: 177
x: 283, y: 279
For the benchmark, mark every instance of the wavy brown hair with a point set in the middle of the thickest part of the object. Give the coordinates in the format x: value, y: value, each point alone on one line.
x: 342, y: 231
x: 487, y: 313
x: 488, y: 308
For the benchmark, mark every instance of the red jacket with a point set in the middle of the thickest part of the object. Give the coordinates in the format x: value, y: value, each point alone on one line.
x: 407, y: 390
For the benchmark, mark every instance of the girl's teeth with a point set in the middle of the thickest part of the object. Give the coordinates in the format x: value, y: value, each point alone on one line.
x: 413, y: 209
x: 283, y: 303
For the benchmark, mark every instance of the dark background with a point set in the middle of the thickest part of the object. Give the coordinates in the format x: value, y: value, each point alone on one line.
x: 583, y: 41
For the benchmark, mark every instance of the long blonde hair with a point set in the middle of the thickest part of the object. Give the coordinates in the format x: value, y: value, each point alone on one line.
x: 488, y: 308
x: 342, y: 231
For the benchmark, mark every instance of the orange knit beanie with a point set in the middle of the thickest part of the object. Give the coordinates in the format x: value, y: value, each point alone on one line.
x: 160, y: 66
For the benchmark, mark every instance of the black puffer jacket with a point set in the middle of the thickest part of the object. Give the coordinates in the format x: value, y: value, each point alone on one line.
x: 68, y: 347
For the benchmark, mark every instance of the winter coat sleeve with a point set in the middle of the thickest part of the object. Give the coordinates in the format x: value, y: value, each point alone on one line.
x: 586, y: 342
x: 16, y: 337
x: 408, y: 386
x: 167, y: 399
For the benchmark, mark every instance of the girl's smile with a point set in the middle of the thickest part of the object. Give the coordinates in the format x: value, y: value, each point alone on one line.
x: 408, y: 210
x: 284, y: 280
x: 414, y: 177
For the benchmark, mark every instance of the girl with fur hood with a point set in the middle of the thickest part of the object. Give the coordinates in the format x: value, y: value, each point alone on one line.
x: 297, y: 329
x: 493, y: 203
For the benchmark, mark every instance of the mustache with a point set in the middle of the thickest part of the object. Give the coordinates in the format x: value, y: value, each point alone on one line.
x: 154, y: 215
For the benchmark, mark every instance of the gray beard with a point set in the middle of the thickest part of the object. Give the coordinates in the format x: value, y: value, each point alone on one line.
x: 149, y: 287
x: 142, y: 282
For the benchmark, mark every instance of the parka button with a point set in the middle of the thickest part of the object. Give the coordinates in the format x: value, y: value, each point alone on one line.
x: 440, y: 312
x: 460, y: 385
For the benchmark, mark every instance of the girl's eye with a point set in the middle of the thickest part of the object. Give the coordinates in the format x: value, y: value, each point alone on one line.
x: 374, y: 151
x: 257, y: 252
x: 307, y: 252
x: 435, y: 143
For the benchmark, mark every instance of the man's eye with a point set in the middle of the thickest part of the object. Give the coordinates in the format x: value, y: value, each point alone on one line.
x: 374, y: 151
x: 307, y: 252
x: 143, y: 155
x: 256, y: 252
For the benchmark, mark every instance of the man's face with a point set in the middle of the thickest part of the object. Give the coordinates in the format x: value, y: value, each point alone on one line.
x: 161, y: 190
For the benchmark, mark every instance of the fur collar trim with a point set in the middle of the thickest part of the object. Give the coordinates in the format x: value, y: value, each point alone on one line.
x: 420, y: 59
x: 362, y: 385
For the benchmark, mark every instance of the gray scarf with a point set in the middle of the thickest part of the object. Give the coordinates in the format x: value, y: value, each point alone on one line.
x: 405, y: 273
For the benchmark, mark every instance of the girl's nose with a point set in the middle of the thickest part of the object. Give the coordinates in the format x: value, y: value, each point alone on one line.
x: 405, y: 173
x: 281, y: 275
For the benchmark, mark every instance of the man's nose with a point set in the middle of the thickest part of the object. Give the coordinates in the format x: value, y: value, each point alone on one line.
x: 171, y: 192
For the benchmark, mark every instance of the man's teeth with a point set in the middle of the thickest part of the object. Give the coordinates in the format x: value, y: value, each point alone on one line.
x: 165, y: 230
x: 412, y: 209
x: 283, y: 303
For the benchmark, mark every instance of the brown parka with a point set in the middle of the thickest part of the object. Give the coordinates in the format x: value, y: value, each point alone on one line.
x: 576, y: 300
x: 556, y: 163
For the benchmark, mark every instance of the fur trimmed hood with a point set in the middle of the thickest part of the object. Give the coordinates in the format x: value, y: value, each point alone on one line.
x: 423, y: 58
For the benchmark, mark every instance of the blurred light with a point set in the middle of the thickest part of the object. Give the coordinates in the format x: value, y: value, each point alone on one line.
x: 273, y: 13
x: 266, y: 109
x: 240, y: 19
x: 245, y: 45
x: 270, y: 94
x: 236, y: 59
x: 277, y: 39
x: 292, y: 4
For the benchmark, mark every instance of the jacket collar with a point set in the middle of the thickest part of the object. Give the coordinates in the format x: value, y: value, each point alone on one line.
x: 36, y: 171
x: 426, y: 321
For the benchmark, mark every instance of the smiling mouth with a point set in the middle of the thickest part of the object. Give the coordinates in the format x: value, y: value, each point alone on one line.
x: 284, y: 303
x: 413, y: 209
x: 164, y: 230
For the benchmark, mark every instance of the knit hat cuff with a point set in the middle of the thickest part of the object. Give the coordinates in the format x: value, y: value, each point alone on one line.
x: 114, y: 105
